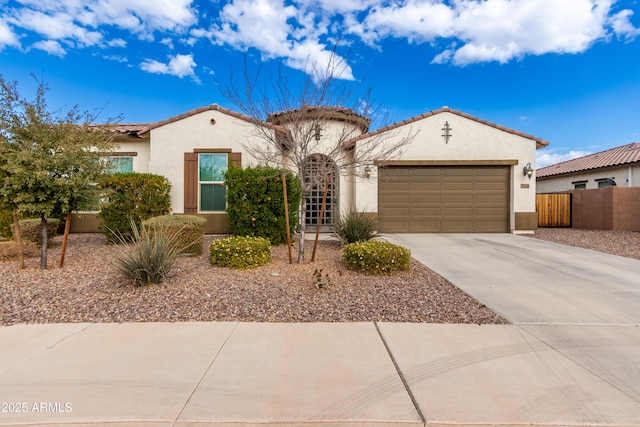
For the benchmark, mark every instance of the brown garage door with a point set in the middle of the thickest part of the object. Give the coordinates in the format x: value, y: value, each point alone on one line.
x: 445, y: 199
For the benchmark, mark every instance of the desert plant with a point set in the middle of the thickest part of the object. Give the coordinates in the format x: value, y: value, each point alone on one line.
x: 30, y: 230
x: 9, y: 250
x: 190, y: 229
x: 132, y: 195
x: 355, y: 227
x: 240, y: 252
x: 376, y: 257
x: 151, y: 256
x: 320, y: 280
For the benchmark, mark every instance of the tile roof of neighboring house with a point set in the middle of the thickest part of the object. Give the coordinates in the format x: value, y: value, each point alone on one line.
x: 618, y: 156
x: 539, y: 141
x: 214, y: 107
x: 130, y: 128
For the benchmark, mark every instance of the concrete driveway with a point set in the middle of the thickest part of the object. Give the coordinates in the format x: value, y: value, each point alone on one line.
x: 531, y: 281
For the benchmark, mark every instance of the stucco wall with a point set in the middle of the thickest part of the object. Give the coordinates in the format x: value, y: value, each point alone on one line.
x: 171, y: 141
x: 470, y: 141
x: 565, y: 182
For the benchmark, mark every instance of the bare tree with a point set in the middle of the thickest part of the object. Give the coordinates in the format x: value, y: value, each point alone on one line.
x: 308, y: 128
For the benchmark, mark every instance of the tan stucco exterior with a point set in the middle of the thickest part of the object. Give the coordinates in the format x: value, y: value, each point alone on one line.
x: 206, y: 130
x: 471, y: 142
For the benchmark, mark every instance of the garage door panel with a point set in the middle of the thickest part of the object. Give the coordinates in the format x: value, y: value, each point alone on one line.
x: 425, y: 186
x: 396, y: 199
x: 458, y: 198
x: 395, y: 186
x: 444, y: 199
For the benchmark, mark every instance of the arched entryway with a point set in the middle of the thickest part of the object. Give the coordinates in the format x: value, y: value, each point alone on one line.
x: 320, y: 170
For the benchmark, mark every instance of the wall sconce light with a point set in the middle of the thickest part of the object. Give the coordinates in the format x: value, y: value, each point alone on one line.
x: 527, y: 171
x: 367, y: 171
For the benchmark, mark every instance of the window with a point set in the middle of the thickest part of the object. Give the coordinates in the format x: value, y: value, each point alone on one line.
x: 211, y: 170
x: 580, y: 185
x: 121, y: 164
x: 605, y: 182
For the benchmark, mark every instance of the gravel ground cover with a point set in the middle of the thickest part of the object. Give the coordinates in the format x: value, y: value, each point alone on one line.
x: 89, y: 289
x: 622, y: 243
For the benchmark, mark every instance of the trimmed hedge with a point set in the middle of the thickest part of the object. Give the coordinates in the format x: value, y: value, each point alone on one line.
x: 31, y: 231
x: 240, y: 252
x: 132, y: 196
x: 190, y: 229
x: 376, y: 257
x: 255, y: 202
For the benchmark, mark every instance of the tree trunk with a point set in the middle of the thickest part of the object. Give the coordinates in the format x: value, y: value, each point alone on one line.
x: 286, y: 216
x: 43, y: 249
x: 324, y: 201
x: 18, y: 236
x: 67, y: 227
x: 302, y: 213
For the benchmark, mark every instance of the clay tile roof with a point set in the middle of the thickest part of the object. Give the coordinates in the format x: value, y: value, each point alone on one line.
x: 133, y: 129
x: 326, y: 112
x: 539, y: 141
x: 214, y: 107
x: 618, y: 156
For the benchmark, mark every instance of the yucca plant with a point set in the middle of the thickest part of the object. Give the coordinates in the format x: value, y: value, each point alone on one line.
x: 149, y: 259
x: 355, y: 227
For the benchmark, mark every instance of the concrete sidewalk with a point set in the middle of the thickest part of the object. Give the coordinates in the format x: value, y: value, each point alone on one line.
x: 331, y: 374
x: 571, y: 358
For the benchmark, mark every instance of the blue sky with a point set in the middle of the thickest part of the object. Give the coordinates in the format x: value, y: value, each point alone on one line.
x: 567, y: 71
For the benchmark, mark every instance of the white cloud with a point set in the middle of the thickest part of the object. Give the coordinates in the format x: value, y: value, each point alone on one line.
x: 279, y: 31
x: 50, y: 46
x: 178, y: 65
x: 621, y: 24
x: 491, y: 30
x: 78, y: 20
x: 117, y: 43
x: 551, y: 157
x: 7, y: 36
x: 59, y: 26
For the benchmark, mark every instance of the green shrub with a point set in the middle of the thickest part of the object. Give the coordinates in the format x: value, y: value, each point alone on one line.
x: 255, y: 203
x: 375, y: 257
x: 151, y: 256
x: 132, y: 195
x: 30, y: 230
x: 355, y: 227
x: 240, y: 252
x: 190, y: 229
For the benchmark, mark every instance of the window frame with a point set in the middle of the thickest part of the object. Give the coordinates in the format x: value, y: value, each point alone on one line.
x: 201, y: 182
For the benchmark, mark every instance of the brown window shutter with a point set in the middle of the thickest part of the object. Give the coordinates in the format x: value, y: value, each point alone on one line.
x: 190, y: 183
x: 235, y: 159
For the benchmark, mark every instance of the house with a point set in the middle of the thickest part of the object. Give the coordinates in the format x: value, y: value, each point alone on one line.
x: 603, y: 190
x: 456, y: 173
x: 618, y: 166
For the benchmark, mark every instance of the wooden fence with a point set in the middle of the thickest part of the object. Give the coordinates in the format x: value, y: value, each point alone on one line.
x: 554, y: 209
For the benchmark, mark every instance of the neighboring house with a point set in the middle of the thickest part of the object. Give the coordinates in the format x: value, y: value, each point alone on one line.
x: 458, y: 174
x: 618, y: 166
